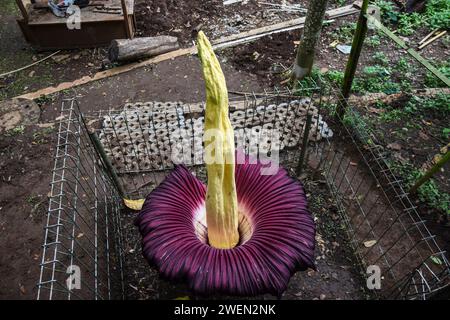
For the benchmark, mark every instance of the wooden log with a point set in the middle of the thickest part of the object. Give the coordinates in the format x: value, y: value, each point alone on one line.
x: 140, y: 48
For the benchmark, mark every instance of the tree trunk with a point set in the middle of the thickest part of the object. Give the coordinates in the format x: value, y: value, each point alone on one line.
x: 141, y: 48
x: 311, y: 33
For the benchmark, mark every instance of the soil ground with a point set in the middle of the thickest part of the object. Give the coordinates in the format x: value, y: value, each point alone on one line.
x: 26, y: 158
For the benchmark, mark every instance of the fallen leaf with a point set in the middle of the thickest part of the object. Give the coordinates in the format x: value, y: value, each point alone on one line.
x: 436, y: 260
x: 134, y: 204
x: 370, y: 243
x: 183, y: 298
x: 22, y: 289
x: 334, y: 43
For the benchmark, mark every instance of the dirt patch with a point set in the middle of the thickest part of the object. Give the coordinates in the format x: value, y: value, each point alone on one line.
x: 177, y: 18
x: 25, y: 173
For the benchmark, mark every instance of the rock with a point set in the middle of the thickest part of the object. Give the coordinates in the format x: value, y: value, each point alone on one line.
x: 370, y: 243
x: 60, y: 57
x: 394, y: 146
x: 344, y: 48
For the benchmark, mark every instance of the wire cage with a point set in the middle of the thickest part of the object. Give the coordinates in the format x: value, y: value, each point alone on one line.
x: 82, y: 240
x: 128, y: 152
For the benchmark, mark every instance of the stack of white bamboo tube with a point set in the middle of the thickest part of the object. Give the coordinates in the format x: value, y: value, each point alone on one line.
x: 155, y: 135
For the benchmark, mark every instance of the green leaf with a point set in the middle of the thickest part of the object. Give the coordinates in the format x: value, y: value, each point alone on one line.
x: 436, y: 260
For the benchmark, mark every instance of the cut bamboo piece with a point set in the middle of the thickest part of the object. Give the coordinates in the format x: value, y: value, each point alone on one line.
x: 426, y: 43
x: 428, y: 36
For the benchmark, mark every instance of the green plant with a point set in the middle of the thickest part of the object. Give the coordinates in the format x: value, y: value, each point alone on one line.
x: 446, y: 133
x: 345, y: 32
x: 416, y: 107
x: 438, y: 13
x: 381, y: 58
x: 403, y: 65
x: 388, y: 10
x: 19, y: 130
x: 373, y: 41
x: 42, y: 100
x: 408, y: 22
x: 40, y: 137
x: 434, y: 82
x: 376, y: 79
x: 428, y: 192
x: 334, y: 77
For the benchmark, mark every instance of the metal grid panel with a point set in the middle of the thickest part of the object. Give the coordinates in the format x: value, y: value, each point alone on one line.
x: 82, y: 229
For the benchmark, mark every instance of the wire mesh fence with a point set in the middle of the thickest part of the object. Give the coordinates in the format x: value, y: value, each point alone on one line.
x: 384, y: 227
x: 388, y: 87
x: 82, y: 238
x: 84, y: 226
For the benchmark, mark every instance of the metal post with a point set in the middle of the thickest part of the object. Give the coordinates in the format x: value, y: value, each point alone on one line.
x: 109, y: 168
x: 301, y: 159
x: 352, y: 63
x: 427, y: 176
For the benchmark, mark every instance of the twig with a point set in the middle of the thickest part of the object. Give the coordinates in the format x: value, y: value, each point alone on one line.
x: 439, y: 35
x: 29, y: 66
x: 428, y: 36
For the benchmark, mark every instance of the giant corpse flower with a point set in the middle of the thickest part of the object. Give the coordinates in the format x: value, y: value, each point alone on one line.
x: 245, y: 233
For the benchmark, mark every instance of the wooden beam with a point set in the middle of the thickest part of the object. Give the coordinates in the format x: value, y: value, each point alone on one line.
x: 108, y: 73
x: 22, y: 9
x: 126, y: 19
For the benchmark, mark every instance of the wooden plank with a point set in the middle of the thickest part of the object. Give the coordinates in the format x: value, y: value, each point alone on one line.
x: 126, y: 19
x: 108, y: 73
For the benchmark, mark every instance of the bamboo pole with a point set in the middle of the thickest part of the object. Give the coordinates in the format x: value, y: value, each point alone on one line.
x: 301, y: 159
x: 108, y: 166
x: 352, y: 63
x: 427, y: 176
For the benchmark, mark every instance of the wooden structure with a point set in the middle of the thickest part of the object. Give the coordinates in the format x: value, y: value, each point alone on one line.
x: 44, y: 31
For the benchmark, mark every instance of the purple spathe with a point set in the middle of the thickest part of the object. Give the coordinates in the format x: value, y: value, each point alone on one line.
x: 280, y: 240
